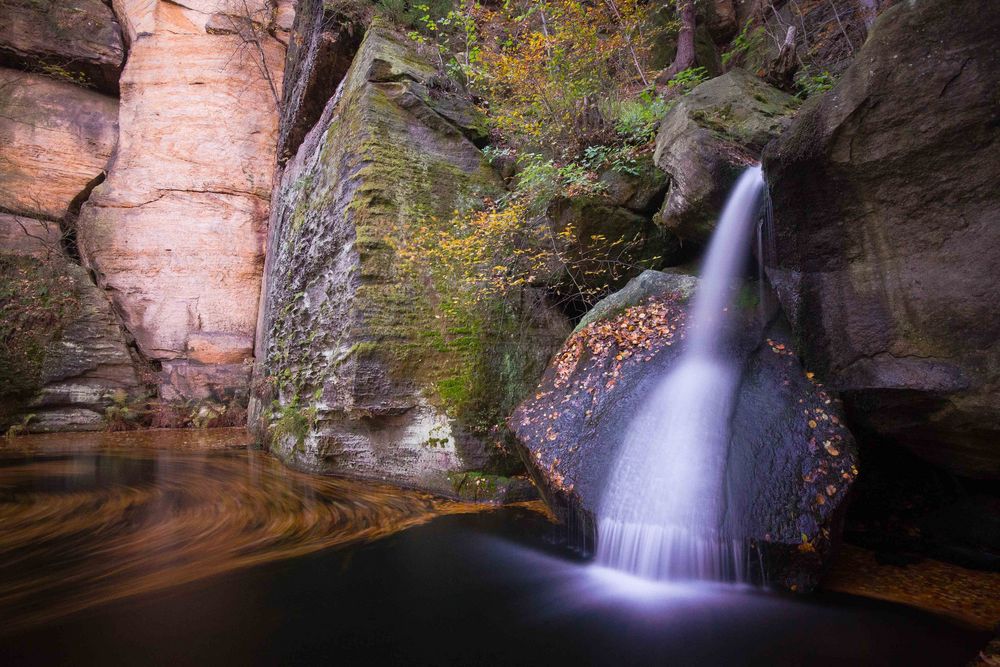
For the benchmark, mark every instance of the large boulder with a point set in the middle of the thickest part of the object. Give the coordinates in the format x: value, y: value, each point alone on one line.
x: 359, y: 372
x: 708, y: 138
x: 887, y: 218
x: 57, y: 139
x: 790, y: 461
x: 79, y: 42
x: 176, y: 232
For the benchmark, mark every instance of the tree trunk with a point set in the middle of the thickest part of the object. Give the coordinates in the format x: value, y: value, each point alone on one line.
x: 685, y: 44
x: 781, y: 71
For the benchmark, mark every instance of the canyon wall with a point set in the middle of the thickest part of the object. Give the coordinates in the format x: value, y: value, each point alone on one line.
x: 355, y: 357
x: 175, y: 233
x: 887, y: 221
x: 132, y: 226
x: 63, y: 358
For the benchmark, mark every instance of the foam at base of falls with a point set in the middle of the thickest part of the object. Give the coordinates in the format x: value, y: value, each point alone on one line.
x: 669, y: 552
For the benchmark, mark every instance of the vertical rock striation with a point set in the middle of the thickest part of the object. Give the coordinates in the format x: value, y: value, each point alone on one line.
x: 175, y: 233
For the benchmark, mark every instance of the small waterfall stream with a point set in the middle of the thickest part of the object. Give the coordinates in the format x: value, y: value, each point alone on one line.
x: 663, y: 508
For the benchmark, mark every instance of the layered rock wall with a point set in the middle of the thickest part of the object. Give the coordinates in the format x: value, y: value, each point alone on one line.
x: 63, y: 357
x: 176, y: 232
x: 355, y: 355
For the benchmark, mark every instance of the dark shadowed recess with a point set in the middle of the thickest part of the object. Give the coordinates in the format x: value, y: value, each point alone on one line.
x: 316, y: 64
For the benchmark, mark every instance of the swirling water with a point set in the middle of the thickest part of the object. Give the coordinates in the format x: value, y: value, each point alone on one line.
x: 184, y: 548
x: 662, y: 511
x: 115, y: 515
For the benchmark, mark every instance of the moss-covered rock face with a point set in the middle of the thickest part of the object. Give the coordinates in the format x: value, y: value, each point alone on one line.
x: 704, y: 142
x: 887, y: 215
x: 790, y: 461
x: 351, y: 338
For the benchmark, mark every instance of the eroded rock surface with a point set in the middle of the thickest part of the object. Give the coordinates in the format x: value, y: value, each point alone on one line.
x: 64, y: 359
x: 329, y: 36
x: 887, y: 216
x: 57, y: 138
x: 791, y: 461
x: 357, y: 361
x: 707, y: 139
x: 176, y: 232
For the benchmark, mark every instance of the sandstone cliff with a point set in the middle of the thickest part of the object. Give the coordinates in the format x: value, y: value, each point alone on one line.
x: 175, y: 233
x: 162, y: 194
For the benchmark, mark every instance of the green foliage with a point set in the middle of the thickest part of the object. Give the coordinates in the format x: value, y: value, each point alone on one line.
x: 687, y: 79
x: 541, y: 180
x: 494, y: 154
x: 412, y: 15
x: 60, y: 73
x: 636, y: 119
x: 813, y: 84
x: 21, y: 428
x: 621, y: 159
x: 747, y: 48
x: 121, y: 415
x: 453, y: 34
x: 293, y: 420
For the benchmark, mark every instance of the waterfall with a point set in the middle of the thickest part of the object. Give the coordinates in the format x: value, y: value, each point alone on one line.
x: 662, y: 511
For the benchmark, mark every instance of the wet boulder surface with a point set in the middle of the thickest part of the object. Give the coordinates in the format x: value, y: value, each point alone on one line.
x: 887, y: 218
x: 791, y: 460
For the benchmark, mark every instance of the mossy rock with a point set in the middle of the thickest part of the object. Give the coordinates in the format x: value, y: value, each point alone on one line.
x: 354, y: 329
x: 708, y: 138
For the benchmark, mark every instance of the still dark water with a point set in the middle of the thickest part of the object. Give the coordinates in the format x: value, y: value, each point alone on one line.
x: 185, y: 548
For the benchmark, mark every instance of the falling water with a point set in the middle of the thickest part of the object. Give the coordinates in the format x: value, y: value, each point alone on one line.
x: 662, y: 512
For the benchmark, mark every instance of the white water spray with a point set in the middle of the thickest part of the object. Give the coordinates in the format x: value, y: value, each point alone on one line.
x: 663, y: 508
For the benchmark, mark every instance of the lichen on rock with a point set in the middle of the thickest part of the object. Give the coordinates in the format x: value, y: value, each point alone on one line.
x: 349, y: 332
